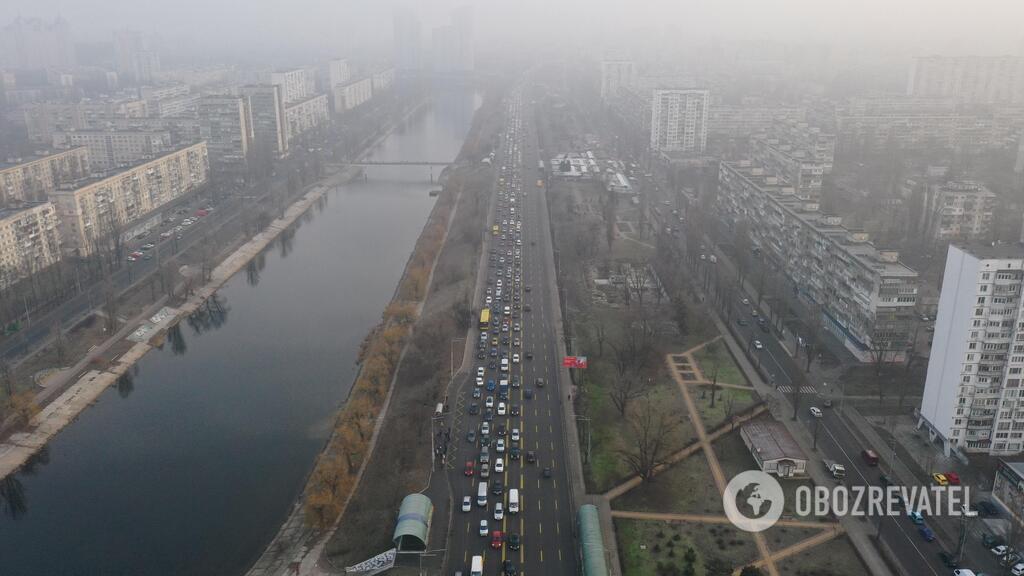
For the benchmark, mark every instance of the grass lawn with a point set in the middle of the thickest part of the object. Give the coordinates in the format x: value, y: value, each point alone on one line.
x: 780, y: 537
x: 685, y: 488
x: 652, y: 548
x: 728, y: 371
x: 834, y: 558
x: 728, y: 401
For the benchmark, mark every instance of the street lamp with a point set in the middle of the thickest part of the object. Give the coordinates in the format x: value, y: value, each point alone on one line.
x: 587, y: 420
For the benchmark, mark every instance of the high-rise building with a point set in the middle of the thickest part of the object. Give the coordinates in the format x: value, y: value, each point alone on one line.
x: 961, y: 210
x: 351, y: 95
x: 616, y: 74
x: 338, y: 72
x: 296, y: 84
x: 679, y: 121
x: 408, y: 44
x: 29, y: 241
x: 305, y: 115
x: 32, y: 179
x: 968, y: 79
x: 452, y: 50
x: 110, y: 149
x: 264, y: 114
x: 91, y: 211
x: 33, y: 43
x: 43, y: 119
x: 135, y: 56
x: 382, y: 79
x: 798, y: 153
x: 973, y: 397
x: 865, y: 296
x: 223, y: 125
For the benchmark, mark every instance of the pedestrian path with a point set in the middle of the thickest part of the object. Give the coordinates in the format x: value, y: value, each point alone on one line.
x: 787, y: 389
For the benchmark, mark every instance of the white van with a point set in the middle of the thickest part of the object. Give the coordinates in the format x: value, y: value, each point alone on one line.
x: 513, y: 501
x: 476, y: 566
x: 481, y: 495
x: 504, y: 364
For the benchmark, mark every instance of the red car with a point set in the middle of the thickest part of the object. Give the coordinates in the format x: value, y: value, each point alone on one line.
x: 953, y: 478
x: 470, y: 468
x: 497, y: 539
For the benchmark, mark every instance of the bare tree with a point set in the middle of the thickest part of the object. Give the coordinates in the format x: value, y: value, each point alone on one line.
x: 652, y: 429
x: 59, y: 342
x: 715, y: 360
x: 600, y: 334
x: 625, y: 389
x: 636, y: 282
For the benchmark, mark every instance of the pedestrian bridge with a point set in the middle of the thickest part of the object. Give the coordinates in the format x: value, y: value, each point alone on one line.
x: 397, y: 163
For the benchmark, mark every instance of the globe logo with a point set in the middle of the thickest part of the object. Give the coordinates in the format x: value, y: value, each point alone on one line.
x: 753, y: 501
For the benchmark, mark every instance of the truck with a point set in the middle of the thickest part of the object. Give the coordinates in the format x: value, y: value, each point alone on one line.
x: 837, y: 470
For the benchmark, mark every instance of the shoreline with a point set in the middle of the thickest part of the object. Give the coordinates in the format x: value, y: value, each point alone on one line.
x: 151, y: 325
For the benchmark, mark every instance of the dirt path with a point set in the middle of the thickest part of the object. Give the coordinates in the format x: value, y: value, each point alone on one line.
x: 712, y: 519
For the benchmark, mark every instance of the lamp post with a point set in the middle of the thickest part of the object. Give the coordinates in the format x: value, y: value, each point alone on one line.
x: 585, y: 419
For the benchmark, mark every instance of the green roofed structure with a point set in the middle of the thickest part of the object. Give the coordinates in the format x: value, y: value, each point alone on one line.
x: 591, y: 541
x: 413, y: 523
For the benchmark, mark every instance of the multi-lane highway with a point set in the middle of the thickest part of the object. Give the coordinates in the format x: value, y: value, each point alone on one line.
x: 515, y: 443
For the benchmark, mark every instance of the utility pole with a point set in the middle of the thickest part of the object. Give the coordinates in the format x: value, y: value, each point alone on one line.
x: 966, y: 516
x: 817, y: 422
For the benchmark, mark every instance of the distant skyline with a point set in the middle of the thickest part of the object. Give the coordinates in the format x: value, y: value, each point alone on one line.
x: 898, y: 27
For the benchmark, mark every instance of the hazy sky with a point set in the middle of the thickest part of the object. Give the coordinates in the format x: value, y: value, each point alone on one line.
x: 907, y: 26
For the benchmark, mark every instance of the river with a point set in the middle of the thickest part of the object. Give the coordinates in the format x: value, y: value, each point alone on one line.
x: 191, y: 465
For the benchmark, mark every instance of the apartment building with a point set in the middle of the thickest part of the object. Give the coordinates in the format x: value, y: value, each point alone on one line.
x: 175, y: 107
x: 352, y: 95
x: 679, y: 121
x: 382, y: 80
x: 305, y: 115
x: 798, y: 153
x: 338, y: 72
x: 44, y: 118
x: 225, y: 129
x: 866, y: 296
x: 745, y: 121
x: 90, y: 211
x: 32, y: 179
x: 297, y: 84
x: 29, y: 241
x: 110, y: 149
x: 968, y: 79
x: 264, y: 114
x: 615, y: 75
x: 963, y: 210
x: 973, y: 399
x: 164, y: 92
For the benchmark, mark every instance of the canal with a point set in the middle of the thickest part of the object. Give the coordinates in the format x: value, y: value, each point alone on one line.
x: 190, y: 465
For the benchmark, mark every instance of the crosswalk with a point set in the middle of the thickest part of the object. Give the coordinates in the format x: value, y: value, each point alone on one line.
x: 787, y: 389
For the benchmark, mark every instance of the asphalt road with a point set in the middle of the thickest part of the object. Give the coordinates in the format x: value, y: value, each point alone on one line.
x: 545, y: 521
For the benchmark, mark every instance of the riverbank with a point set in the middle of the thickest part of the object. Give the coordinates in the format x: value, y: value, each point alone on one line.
x: 74, y: 389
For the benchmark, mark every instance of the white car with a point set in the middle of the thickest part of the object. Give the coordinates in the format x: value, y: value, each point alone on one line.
x: 489, y: 402
x: 515, y: 358
x: 488, y: 301
x: 480, y: 371
x: 515, y: 434
x: 758, y: 344
x: 499, y: 465
x: 483, y: 527
x: 502, y: 409
x: 467, y: 503
x: 815, y: 411
x: 1000, y: 550
x: 499, y: 512
x: 485, y: 428
x: 500, y: 446
x: 479, y: 381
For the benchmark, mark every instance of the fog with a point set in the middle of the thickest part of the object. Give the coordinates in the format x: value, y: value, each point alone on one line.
x: 267, y: 28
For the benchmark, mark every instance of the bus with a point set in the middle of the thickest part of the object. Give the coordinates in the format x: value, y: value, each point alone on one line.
x: 485, y: 318
x: 495, y: 230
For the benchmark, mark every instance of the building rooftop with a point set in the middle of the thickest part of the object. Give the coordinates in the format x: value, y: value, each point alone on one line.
x: 14, y: 210
x: 772, y: 441
x: 29, y: 158
x: 992, y: 250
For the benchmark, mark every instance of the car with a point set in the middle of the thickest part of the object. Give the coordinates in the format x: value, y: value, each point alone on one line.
x: 477, y: 393
x: 948, y: 560
x: 915, y: 516
x: 483, y: 527
x: 1000, y: 550
x: 474, y: 408
x: 166, y: 234
x: 485, y: 428
x: 516, y: 343
x: 497, y: 488
x: 497, y: 539
x: 515, y: 434
x: 502, y: 409
x: 471, y: 436
x: 481, y: 354
x: 514, y: 541
x: 499, y: 465
x: 953, y: 478
x: 926, y: 533
x: 529, y: 354
x: 758, y: 344
x: 515, y: 358
x: 499, y: 512
x: 742, y: 322
x: 508, y: 568
x: 515, y: 410
x: 546, y: 472
x: 528, y: 393
x: 527, y: 308
x: 485, y: 440
x: 940, y: 479
x: 490, y: 385
x: 467, y: 503
x: 514, y: 451
x: 489, y: 414
x: 746, y: 302
x: 148, y: 246
x: 480, y: 371
x: 470, y: 468
x: 539, y: 383
x: 516, y: 381
x: 132, y: 258
x: 1017, y: 570
x: 500, y: 446
x: 816, y: 412
x: 489, y: 402
x: 531, y: 457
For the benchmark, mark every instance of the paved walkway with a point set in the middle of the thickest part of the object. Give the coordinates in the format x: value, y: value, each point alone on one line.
x: 712, y: 519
